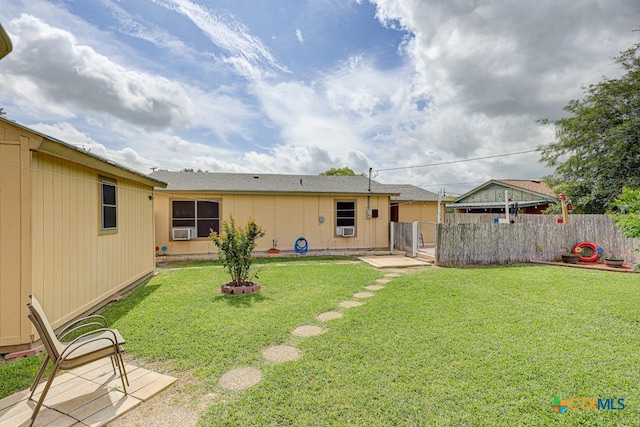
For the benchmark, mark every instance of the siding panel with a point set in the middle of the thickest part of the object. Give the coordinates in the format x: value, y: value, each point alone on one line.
x: 79, y: 267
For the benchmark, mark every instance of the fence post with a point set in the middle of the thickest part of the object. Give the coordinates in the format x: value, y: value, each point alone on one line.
x: 414, y: 243
x: 392, y: 244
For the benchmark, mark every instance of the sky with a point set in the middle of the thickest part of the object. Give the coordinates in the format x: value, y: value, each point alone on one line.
x: 408, y: 88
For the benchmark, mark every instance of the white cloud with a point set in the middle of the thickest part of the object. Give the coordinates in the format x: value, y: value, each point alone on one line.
x: 250, y: 57
x: 52, y: 75
x: 61, y: 76
x: 68, y: 133
x: 491, y: 69
x: 470, y: 79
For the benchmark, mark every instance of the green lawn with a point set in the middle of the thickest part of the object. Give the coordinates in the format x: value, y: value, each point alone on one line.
x: 477, y: 347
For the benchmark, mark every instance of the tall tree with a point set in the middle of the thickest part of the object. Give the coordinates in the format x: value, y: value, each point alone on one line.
x: 345, y: 171
x: 597, y: 147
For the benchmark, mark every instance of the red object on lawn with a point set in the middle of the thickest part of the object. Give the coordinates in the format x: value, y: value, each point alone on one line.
x: 591, y: 258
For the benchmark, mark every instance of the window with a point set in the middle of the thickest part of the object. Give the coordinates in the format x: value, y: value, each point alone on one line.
x: 345, y: 217
x: 109, y: 211
x: 199, y: 215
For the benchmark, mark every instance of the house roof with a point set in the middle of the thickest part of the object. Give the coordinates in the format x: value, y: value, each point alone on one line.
x: 408, y: 192
x: 535, y: 187
x: 270, y: 183
x: 539, y: 191
x: 61, y: 149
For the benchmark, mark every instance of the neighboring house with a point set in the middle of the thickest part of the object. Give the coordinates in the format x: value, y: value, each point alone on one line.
x: 330, y: 212
x: 75, y: 230
x: 525, y: 196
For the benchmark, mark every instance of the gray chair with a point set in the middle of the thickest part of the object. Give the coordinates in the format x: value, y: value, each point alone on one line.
x: 93, y: 341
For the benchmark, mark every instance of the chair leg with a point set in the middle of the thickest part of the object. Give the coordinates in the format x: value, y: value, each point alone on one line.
x: 123, y: 371
x: 39, y: 377
x: 114, y: 361
x: 44, y: 394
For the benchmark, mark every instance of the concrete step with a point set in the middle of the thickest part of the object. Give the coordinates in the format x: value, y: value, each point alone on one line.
x: 426, y: 257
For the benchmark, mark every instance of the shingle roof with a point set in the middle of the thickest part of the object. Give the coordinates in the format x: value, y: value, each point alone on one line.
x: 63, y: 149
x: 529, y: 184
x: 408, y: 192
x: 535, y: 187
x: 269, y: 183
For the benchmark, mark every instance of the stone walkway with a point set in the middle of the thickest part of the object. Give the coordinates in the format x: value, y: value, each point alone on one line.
x: 170, y: 408
x: 239, y: 379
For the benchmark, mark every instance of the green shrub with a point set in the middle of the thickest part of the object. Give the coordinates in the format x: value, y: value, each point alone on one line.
x: 235, y: 247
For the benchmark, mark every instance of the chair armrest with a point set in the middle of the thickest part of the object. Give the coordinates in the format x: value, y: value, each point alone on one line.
x: 93, y: 320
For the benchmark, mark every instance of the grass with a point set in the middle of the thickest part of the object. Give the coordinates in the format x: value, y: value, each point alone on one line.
x: 477, y: 347
x: 259, y: 262
x: 18, y: 374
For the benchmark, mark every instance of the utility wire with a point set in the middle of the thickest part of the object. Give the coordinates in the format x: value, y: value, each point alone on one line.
x: 457, y: 161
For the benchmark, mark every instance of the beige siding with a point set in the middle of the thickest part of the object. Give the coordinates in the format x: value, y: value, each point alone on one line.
x: 421, y: 211
x: 75, y: 266
x: 285, y: 218
x: 14, y: 244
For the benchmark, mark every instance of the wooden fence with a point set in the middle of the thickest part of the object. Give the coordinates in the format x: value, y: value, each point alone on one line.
x: 403, y: 237
x: 467, y: 239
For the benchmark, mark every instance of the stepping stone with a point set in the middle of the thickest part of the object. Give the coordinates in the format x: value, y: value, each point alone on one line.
x: 281, y: 353
x: 401, y: 271
x: 383, y: 280
x: 329, y: 315
x: 374, y: 287
x: 363, y: 295
x: 240, y: 379
x: 308, y: 331
x: 392, y: 275
x: 349, y: 304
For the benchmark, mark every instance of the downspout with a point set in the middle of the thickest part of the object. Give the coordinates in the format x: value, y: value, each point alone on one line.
x: 369, y: 197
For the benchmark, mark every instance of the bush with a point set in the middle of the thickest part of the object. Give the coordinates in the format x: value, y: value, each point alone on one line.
x: 235, y: 247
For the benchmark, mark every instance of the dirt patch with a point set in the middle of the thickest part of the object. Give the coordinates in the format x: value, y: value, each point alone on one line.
x: 179, y: 405
x: 281, y: 353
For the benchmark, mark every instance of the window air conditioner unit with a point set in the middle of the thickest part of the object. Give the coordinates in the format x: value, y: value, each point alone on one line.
x: 183, y: 233
x: 348, y: 231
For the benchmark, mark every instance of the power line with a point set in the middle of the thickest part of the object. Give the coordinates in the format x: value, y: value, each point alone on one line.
x: 457, y: 161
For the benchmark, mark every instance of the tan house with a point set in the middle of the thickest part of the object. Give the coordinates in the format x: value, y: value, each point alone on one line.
x: 330, y: 212
x: 75, y: 229
x: 523, y: 195
x: 412, y: 204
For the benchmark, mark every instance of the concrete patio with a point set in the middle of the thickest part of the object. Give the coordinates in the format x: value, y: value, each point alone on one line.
x: 87, y: 396
x: 394, y: 261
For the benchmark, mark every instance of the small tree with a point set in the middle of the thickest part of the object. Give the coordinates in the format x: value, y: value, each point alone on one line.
x: 345, y: 171
x: 626, y: 214
x: 235, y: 248
x: 596, y: 151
